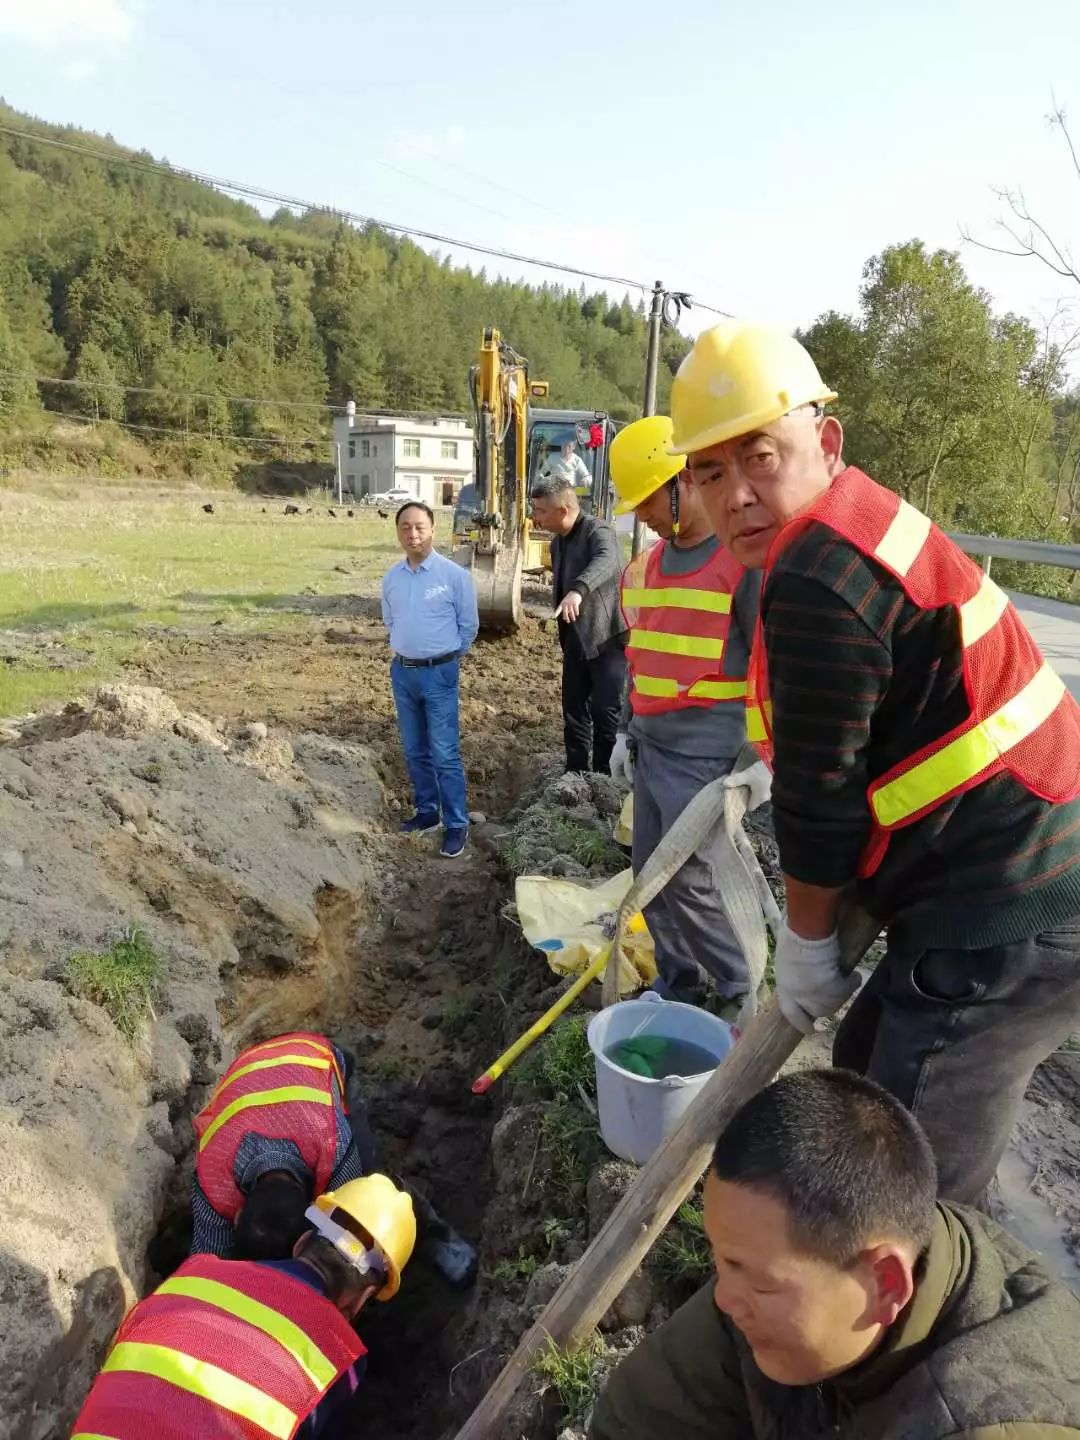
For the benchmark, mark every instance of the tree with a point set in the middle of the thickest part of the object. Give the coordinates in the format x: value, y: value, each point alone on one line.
x: 959, y: 410
x: 98, y: 393
x: 18, y: 393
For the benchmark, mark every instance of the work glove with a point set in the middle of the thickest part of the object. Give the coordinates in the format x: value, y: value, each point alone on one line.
x: 757, y: 778
x: 809, y: 983
x: 621, y: 763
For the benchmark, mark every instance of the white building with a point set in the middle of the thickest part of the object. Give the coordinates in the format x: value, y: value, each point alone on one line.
x: 431, y: 459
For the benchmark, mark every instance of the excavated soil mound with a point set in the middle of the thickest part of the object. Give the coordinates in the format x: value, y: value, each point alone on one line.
x: 244, y: 857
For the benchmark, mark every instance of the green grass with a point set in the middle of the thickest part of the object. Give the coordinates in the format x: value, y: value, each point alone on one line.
x: 550, y: 830
x: 574, y: 1375
x: 684, y: 1252
x: 123, y: 980
x: 555, y: 1232
x: 522, y: 1267
x: 561, y: 1061
x: 95, y: 568
x: 582, y: 843
x: 570, y: 1142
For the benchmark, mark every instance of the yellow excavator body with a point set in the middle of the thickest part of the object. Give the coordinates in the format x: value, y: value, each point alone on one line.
x: 499, y: 546
x: 498, y: 543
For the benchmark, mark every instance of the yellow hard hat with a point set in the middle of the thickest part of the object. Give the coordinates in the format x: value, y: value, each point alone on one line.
x: 380, y: 1209
x: 642, y: 460
x: 737, y: 378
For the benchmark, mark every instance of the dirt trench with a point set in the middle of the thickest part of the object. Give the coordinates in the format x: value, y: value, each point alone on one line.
x: 247, y: 820
x: 425, y: 986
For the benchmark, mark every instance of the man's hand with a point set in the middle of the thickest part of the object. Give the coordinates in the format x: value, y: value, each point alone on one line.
x: 569, y: 607
x: 756, y: 778
x: 621, y: 763
x: 809, y: 983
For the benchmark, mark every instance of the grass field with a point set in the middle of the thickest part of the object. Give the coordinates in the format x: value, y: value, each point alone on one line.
x: 83, y: 577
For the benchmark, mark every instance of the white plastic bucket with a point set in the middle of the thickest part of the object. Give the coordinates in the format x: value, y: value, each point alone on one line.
x: 636, y: 1113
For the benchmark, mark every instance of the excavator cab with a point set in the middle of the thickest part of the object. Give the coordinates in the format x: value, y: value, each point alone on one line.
x: 589, y: 433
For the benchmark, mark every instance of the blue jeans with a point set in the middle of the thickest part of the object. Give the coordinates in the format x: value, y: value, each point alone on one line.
x: 427, y: 711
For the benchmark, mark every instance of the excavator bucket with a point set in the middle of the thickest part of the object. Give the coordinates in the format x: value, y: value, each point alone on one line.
x: 497, y: 577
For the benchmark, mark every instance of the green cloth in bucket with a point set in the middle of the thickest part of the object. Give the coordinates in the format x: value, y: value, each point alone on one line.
x: 640, y: 1054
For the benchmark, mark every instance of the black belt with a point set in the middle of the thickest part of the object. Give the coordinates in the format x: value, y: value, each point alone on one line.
x: 427, y: 664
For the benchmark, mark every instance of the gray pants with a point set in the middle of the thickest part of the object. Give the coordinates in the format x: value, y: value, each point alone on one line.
x: 956, y: 1035
x: 686, y: 920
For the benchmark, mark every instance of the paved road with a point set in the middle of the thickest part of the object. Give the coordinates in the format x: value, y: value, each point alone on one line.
x: 1056, y: 628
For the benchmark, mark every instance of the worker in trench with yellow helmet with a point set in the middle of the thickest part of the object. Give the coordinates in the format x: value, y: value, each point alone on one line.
x: 260, y: 1349
x: 691, y: 609
x: 923, y: 753
x: 285, y: 1122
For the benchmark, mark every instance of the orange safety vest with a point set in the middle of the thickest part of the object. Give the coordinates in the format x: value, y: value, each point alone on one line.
x: 678, y: 629
x: 1022, y: 719
x: 282, y: 1090
x: 224, y: 1349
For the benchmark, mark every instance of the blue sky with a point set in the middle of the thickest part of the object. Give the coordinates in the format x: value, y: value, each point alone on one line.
x: 754, y: 155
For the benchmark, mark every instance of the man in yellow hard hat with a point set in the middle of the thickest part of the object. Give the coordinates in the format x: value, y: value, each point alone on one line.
x: 922, y: 751
x: 691, y: 609
x: 226, y: 1348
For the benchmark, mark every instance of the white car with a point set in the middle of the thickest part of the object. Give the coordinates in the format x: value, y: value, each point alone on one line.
x: 392, y: 497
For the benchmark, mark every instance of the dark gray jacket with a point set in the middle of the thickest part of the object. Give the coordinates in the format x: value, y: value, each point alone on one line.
x: 589, y: 560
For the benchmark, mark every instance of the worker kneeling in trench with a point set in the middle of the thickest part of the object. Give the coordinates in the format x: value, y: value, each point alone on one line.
x: 228, y: 1348
x: 277, y: 1130
x: 847, y: 1298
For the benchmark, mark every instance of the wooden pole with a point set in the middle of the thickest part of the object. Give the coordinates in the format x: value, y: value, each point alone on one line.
x: 660, y: 1188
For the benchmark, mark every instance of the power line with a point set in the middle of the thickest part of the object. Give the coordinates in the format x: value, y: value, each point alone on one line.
x: 256, y: 192
x: 160, y: 393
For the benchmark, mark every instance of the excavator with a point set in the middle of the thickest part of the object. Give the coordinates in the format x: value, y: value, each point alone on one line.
x: 493, y: 535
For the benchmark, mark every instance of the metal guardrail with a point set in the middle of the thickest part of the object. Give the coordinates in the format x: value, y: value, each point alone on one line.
x: 1036, y: 552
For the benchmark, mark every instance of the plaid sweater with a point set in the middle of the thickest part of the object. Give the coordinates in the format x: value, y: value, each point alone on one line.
x: 860, y: 678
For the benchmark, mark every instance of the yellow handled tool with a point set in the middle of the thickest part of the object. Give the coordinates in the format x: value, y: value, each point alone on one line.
x: 507, y: 1058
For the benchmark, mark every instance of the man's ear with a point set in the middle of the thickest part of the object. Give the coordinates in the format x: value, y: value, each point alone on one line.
x: 890, y: 1282
x: 361, y: 1300
x: 831, y: 436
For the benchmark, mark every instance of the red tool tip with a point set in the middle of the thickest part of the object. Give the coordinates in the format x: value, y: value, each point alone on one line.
x: 483, y: 1085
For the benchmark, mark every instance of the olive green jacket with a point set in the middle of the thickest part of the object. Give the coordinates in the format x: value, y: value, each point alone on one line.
x: 988, y: 1349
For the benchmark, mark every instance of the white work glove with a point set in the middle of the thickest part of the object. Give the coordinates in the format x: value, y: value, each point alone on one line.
x: 621, y: 763
x: 809, y: 983
x: 569, y: 607
x: 757, y: 778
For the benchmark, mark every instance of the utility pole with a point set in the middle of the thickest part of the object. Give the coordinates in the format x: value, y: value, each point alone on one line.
x: 656, y: 315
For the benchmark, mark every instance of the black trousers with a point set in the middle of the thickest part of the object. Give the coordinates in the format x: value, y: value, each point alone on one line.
x: 956, y: 1035
x: 592, y: 692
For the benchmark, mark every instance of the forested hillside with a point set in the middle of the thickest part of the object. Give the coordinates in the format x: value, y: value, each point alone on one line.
x: 115, y: 277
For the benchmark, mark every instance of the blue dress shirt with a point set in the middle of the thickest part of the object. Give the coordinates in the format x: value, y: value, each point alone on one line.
x: 430, y: 610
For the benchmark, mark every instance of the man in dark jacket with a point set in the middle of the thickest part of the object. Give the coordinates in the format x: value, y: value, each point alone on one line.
x: 846, y: 1301
x: 586, y: 564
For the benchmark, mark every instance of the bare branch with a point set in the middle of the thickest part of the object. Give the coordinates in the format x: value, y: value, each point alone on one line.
x: 1021, y: 212
x: 1057, y: 118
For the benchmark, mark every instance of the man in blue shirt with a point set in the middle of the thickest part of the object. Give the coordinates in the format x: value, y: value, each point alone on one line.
x: 429, y: 608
